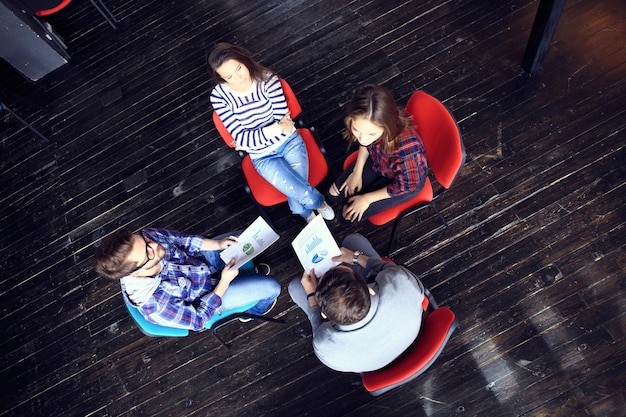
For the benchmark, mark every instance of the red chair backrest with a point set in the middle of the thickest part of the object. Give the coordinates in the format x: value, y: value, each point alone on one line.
x: 53, y: 9
x: 221, y: 129
x: 440, y: 133
x: 436, y: 330
x: 292, y: 104
x: 292, y: 100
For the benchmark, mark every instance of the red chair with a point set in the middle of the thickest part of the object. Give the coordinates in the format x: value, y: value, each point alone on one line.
x: 436, y: 330
x: 48, y: 7
x: 445, y: 153
x: 262, y: 193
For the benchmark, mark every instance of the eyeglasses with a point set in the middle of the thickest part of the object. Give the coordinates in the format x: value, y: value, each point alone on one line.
x: 149, y: 254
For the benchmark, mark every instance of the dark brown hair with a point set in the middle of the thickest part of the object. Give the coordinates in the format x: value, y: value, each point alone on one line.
x: 377, y: 105
x: 343, y: 296
x: 111, y: 255
x: 223, y: 51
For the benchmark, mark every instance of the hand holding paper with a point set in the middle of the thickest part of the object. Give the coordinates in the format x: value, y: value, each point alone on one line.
x: 315, y: 247
x: 254, y: 240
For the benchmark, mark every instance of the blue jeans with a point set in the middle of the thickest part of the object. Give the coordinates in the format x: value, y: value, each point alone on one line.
x: 287, y: 169
x: 245, y: 289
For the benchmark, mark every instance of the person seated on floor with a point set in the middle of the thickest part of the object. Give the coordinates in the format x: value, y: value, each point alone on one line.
x: 249, y: 100
x: 179, y: 280
x: 359, y: 327
x: 391, y: 166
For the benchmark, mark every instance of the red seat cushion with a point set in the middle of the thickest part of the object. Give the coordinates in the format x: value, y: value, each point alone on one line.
x: 423, y: 197
x: 435, y: 332
x: 265, y: 193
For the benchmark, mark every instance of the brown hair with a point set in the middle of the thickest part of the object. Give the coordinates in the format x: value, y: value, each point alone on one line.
x: 223, y: 51
x: 377, y: 105
x: 111, y: 255
x: 343, y: 296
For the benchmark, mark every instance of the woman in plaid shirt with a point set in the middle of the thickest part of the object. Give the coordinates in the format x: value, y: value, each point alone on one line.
x: 391, y: 164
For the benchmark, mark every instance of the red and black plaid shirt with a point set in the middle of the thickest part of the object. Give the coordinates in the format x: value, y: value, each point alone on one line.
x: 407, y: 166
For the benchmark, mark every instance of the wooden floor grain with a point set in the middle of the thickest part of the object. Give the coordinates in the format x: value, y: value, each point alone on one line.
x: 532, y: 261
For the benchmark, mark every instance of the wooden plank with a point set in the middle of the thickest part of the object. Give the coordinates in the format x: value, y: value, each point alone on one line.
x: 542, y: 193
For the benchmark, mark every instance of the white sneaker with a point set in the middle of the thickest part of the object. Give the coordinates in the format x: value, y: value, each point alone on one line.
x: 326, y: 211
x: 310, y: 218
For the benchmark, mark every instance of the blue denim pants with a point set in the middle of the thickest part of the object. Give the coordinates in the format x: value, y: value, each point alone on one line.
x: 287, y: 169
x: 245, y: 289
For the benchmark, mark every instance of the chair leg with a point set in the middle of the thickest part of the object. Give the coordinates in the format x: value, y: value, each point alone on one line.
x: 24, y: 122
x: 105, y: 12
x: 245, y: 315
x: 392, y: 239
x: 406, y: 214
x: 236, y: 316
x: 219, y: 339
x: 445, y: 223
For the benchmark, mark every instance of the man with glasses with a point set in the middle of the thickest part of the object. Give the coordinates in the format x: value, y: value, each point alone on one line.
x: 179, y: 280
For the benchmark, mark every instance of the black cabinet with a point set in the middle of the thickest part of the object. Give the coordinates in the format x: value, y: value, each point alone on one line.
x: 27, y: 44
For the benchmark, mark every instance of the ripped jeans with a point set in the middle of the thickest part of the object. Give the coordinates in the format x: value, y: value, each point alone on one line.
x: 287, y: 169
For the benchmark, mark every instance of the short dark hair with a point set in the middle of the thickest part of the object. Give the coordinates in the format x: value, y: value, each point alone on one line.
x: 343, y: 296
x: 111, y: 255
x: 223, y: 51
x: 377, y: 105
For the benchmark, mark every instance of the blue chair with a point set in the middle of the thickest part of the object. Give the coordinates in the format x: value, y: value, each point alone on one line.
x: 216, y: 321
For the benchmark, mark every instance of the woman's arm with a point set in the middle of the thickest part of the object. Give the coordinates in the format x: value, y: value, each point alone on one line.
x: 354, y: 182
x: 256, y: 125
x: 357, y: 204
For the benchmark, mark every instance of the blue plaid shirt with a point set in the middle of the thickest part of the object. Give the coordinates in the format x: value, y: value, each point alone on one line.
x: 407, y: 166
x: 183, y: 297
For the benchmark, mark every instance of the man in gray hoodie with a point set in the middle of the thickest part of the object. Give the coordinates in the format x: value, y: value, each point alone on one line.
x: 360, y: 327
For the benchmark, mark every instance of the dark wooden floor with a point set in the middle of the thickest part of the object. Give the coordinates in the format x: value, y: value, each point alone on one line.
x: 542, y: 194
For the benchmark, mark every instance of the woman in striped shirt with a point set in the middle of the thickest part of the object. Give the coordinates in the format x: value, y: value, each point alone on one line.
x: 250, y: 101
x: 391, y: 165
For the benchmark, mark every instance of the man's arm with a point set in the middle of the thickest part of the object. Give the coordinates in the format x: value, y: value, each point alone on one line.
x: 170, y: 311
x: 212, y: 244
x: 309, y: 283
x: 370, y: 265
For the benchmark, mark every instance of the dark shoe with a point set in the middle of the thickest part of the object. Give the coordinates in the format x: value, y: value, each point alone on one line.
x: 262, y: 269
x: 247, y: 319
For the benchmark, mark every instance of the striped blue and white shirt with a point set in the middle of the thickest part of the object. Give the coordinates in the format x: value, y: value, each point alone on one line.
x: 248, y: 115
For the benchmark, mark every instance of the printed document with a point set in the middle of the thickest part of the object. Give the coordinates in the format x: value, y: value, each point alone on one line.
x: 254, y: 240
x: 315, y: 247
